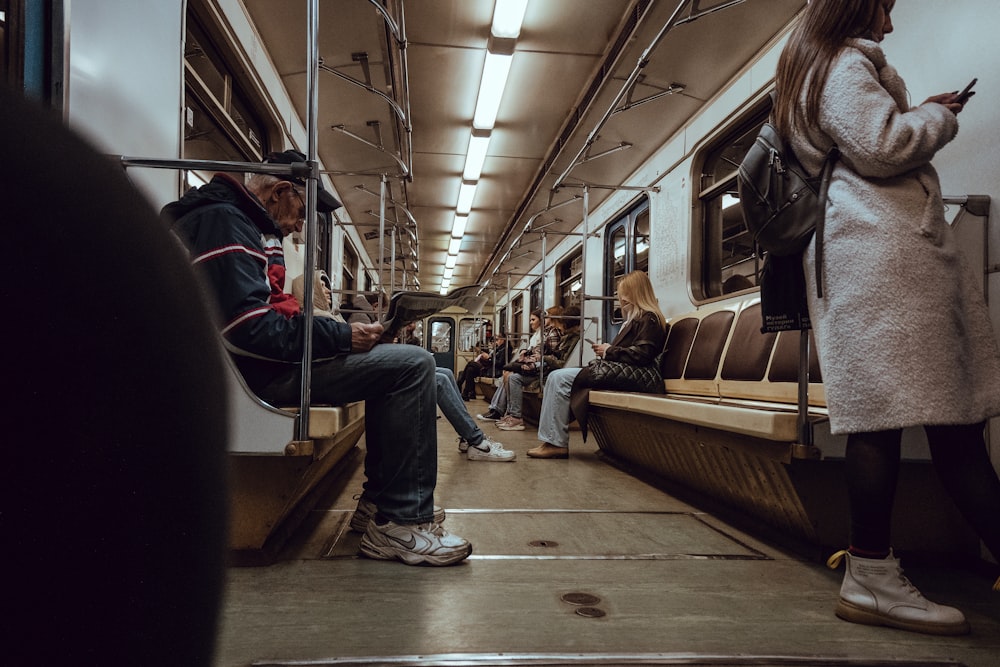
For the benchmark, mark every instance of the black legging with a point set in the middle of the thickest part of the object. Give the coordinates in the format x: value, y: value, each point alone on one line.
x: 963, y: 466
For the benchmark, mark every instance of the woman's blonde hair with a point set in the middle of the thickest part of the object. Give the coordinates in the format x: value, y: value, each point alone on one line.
x: 637, y: 289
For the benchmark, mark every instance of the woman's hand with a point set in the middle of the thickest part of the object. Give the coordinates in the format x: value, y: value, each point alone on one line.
x: 948, y: 100
x: 600, y: 348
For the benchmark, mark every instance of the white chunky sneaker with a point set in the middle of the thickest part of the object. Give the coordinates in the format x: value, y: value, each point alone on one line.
x: 493, y: 451
x: 875, y: 592
x: 420, y: 544
x: 366, y: 510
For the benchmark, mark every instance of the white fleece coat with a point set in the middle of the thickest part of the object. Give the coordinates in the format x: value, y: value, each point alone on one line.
x: 903, y: 334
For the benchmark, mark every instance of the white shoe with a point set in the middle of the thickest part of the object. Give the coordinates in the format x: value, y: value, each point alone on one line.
x: 489, y: 416
x: 875, y: 592
x: 414, y: 544
x: 494, y: 451
x: 366, y: 509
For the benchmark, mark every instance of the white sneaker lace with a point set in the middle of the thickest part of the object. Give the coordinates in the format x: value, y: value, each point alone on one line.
x: 492, y: 444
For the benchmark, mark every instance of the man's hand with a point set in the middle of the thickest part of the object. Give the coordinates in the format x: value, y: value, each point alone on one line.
x: 365, y: 336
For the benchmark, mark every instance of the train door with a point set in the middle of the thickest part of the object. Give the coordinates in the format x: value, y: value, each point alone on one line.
x: 626, y: 249
x: 441, y: 342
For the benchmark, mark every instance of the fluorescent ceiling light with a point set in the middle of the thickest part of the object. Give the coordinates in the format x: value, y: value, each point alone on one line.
x: 451, y: 262
x: 466, y: 195
x: 444, y: 290
x: 458, y: 228
x: 446, y: 283
x: 448, y: 273
x: 495, y: 73
x: 454, y: 246
x: 475, y: 158
x: 507, y: 18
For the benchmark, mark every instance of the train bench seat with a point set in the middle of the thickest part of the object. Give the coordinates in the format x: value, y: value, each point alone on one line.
x: 721, y: 372
x: 274, y: 476
x: 728, y: 429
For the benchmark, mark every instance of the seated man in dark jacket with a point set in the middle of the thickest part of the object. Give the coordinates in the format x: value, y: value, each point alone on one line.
x: 234, y: 235
x: 484, y: 365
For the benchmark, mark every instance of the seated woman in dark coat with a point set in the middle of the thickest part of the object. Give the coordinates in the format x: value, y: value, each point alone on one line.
x: 639, y: 341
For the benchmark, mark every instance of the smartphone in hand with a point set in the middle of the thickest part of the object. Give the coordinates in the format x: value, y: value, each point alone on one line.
x: 964, y: 96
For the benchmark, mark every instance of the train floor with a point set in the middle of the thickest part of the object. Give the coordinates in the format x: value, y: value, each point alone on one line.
x: 575, y: 562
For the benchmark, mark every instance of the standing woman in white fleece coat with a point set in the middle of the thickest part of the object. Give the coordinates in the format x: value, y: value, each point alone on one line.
x: 902, y: 331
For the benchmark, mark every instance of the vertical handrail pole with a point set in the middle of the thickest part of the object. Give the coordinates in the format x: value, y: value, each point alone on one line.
x: 381, y: 241
x: 583, y: 263
x: 541, y: 357
x: 805, y: 433
x: 309, y: 228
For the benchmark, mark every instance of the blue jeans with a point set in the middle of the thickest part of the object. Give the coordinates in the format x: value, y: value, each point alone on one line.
x: 397, y: 384
x: 499, y: 402
x: 515, y: 394
x: 553, y: 423
x: 453, y: 407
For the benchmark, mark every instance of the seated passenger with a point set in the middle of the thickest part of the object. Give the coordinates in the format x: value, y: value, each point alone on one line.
x: 638, y: 343
x: 498, y: 406
x: 517, y: 382
x: 322, y: 295
x: 484, y: 364
x: 361, y: 309
x: 397, y: 384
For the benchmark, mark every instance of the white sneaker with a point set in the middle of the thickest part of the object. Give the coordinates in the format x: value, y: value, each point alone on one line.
x: 420, y: 544
x: 366, y: 509
x: 489, y: 416
x: 875, y: 592
x: 494, y: 451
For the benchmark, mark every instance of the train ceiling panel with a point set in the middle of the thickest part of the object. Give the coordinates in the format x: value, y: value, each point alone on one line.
x: 565, y: 74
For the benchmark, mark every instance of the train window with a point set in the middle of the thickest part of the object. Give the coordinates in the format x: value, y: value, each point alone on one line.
x: 220, y: 118
x: 441, y: 336
x: 517, y: 317
x: 626, y: 249
x: 536, y: 295
x: 502, y: 321
x: 723, y: 258
x: 472, y: 332
x: 349, y: 265
x: 570, y: 274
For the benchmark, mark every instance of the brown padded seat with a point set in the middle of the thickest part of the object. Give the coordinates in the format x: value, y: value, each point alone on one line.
x: 680, y: 336
x: 749, y: 351
x: 785, y: 366
x: 706, y: 351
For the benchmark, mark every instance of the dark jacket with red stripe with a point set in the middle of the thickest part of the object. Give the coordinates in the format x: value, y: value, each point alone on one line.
x: 236, y: 245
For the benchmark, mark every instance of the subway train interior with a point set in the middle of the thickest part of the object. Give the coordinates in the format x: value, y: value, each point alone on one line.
x: 489, y: 158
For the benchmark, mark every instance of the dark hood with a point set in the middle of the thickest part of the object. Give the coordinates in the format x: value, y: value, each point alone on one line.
x: 223, y: 189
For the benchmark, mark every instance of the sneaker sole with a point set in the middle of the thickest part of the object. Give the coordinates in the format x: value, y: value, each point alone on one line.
x: 855, y: 614
x: 483, y: 456
x: 411, y: 558
x: 504, y: 427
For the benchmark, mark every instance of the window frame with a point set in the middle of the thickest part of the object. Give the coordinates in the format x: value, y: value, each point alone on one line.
x: 721, y: 245
x: 625, y: 226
